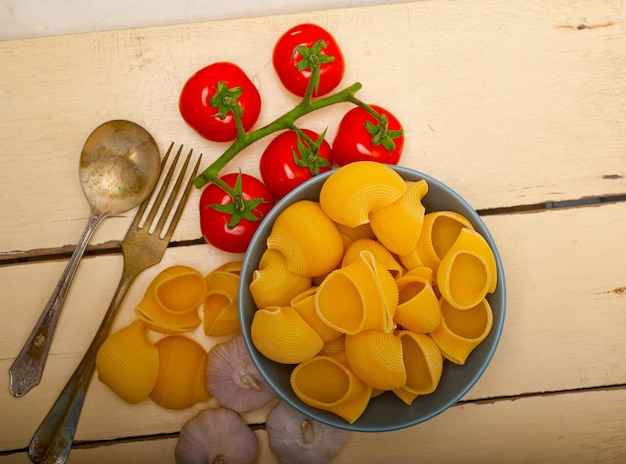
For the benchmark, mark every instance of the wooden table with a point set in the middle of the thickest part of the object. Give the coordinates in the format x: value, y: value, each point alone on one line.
x: 519, y: 106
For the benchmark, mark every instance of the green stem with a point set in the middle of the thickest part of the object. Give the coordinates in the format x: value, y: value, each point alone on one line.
x: 286, y: 121
x: 365, y: 106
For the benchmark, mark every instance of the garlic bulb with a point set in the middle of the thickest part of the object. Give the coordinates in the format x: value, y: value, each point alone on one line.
x: 216, y: 436
x: 233, y: 379
x: 294, y: 438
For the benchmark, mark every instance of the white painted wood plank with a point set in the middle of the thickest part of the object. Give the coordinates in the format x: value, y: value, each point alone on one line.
x: 570, y: 427
x: 508, y: 102
x: 564, y: 271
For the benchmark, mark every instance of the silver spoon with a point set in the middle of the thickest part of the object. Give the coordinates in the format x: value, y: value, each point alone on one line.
x: 119, y: 167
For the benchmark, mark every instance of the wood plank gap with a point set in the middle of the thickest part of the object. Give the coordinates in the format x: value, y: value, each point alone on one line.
x: 64, y: 253
x: 89, y: 444
x: 537, y: 207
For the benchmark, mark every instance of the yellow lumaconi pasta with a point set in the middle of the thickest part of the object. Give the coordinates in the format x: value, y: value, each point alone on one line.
x: 234, y: 267
x: 171, y: 301
x: 385, y: 315
x: 296, y: 229
x: 376, y: 358
x: 334, y: 347
x: 418, y: 307
x: 399, y: 224
x: 352, y: 234
x: 462, y: 330
x: 467, y: 271
x: 352, y: 192
x: 304, y: 304
x: 220, y: 304
x: 128, y: 363
x: 281, y: 335
x: 325, y: 383
x: 360, y: 296
x: 411, y: 260
x: 273, y: 284
x: 423, y: 364
x: 439, y: 232
x: 181, y: 381
x: 380, y: 253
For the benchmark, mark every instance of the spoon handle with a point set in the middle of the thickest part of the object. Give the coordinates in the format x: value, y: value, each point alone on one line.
x: 27, y: 369
x: 53, y: 440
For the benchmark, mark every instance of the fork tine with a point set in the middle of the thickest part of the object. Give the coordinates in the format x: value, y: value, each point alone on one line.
x: 144, y: 204
x: 183, y: 200
x: 162, y: 190
x: 170, y: 201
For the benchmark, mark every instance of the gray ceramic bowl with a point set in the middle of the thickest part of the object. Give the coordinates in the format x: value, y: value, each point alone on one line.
x: 386, y: 412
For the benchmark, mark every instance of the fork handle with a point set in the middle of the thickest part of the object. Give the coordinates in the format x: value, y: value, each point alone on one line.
x: 52, y: 442
x: 27, y: 369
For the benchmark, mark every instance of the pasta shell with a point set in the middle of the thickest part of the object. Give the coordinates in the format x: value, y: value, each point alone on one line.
x: 273, y: 284
x: 325, y: 383
x: 399, y: 224
x: 418, y: 307
x: 359, y: 296
x: 352, y: 192
x: 128, y: 363
x: 334, y: 347
x: 411, y: 260
x: 380, y: 253
x: 221, y: 316
x: 423, y: 364
x: 462, y: 330
x: 307, y: 238
x: 468, y: 271
x: 423, y: 272
x: 352, y: 234
x: 439, y: 232
x: 376, y: 358
x: 281, y: 335
x: 304, y: 304
x: 170, y: 303
x: 233, y: 267
x: 181, y: 381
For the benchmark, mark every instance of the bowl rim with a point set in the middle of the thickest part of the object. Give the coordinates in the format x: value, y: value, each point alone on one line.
x: 328, y: 418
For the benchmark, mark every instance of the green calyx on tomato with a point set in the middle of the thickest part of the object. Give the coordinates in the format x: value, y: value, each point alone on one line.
x: 312, y: 59
x: 225, y: 100
x: 220, y: 102
x: 239, y: 208
x: 307, y: 153
x: 293, y: 157
x: 231, y: 210
x: 368, y: 133
x: 380, y: 133
x: 308, y: 61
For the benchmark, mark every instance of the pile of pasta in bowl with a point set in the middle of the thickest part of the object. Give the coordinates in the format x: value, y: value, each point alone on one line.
x: 372, y: 298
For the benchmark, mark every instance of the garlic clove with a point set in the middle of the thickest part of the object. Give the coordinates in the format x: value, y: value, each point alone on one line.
x: 214, y: 436
x: 233, y: 379
x: 295, y: 438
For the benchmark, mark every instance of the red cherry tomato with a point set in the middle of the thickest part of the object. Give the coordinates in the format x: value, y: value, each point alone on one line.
x: 360, y: 137
x: 294, y: 51
x: 218, y: 212
x: 289, y: 160
x: 209, y: 98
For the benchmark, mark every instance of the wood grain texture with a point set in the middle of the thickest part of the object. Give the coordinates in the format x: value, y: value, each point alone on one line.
x: 583, y: 427
x: 508, y: 102
x: 561, y: 331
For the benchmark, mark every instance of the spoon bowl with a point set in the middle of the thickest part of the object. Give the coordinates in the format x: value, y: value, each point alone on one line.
x: 119, y: 167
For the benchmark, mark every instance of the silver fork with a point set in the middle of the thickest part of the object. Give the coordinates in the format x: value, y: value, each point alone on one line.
x: 141, y: 248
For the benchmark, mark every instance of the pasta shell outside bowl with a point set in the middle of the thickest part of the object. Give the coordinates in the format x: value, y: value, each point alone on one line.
x: 385, y: 412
